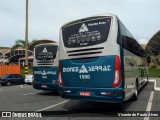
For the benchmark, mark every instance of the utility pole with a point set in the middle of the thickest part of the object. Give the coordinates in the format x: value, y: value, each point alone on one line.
x: 3, y: 58
x: 26, y: 41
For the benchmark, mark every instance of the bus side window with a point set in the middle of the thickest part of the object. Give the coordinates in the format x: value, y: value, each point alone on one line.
x: 127, y: 43
x: 132, y: 45
x: 124, y: 42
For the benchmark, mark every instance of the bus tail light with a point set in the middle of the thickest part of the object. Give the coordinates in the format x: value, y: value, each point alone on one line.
x: 67, y: 91
x: 59, y: 76
x: 117, y: 72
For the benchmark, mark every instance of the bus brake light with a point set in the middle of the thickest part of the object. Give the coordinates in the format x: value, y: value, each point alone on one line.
x: 117, y: 72
x: 59, y: 76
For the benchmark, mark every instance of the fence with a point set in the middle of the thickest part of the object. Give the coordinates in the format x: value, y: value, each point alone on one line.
x: 9, y: 69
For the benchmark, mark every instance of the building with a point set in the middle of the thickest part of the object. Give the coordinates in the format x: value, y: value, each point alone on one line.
x: 153, y: 49
x: 3, y: 57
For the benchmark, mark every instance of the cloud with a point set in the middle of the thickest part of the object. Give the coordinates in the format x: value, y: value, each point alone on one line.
x: 47, y: 16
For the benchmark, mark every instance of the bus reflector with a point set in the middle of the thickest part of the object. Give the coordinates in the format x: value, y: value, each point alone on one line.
x: 59, y: 76
x: 105, y: 93
x: 67, y: 91
x: 117, y: 72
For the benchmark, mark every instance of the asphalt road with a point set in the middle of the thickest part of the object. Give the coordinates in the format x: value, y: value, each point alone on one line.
x: 25, y: 98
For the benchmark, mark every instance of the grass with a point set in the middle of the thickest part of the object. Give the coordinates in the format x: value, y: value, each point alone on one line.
x: 154, y: 72
x: 30, y: 69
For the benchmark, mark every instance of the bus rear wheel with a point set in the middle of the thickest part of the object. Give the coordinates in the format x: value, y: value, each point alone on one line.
x: 135, y: 96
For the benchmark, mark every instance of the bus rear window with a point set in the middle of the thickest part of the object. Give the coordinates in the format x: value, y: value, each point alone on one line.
x: 86, y: 32
x: 46, y: 52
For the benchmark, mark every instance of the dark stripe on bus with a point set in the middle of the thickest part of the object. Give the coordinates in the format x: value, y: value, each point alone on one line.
x: 88, y: 53
x: 85, y: 49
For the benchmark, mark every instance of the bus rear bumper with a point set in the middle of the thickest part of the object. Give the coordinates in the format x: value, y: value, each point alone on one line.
x: 47, y: 87
x: 110, y: 95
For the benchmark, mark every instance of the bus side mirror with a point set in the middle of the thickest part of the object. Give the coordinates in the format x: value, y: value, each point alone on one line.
x: 148, y: 59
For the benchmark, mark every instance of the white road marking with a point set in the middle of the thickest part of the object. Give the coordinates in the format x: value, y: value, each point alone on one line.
x: 25, y: 86
x: 149, y: 106
x: 28, y: 86
x: 32, y: 93
x: 155, y: 88
x: 52, y: 106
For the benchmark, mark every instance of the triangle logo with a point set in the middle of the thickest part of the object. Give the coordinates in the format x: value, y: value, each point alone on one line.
x: 83, y: 28
x: 45, y: 49
x: 83, y: 69
x: 43, y: 73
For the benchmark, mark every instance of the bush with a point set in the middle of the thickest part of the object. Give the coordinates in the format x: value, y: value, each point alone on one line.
x: 154, y: 72
x: 153, y: 66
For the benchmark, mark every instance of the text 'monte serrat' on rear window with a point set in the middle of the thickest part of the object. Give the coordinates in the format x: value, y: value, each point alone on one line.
x: 86, y: 32
x: 46, y: 52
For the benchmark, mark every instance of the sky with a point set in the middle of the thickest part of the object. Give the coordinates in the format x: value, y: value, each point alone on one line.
x: 141, y: 17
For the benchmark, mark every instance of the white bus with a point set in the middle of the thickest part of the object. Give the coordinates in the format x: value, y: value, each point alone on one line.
x: 100, y: 61
x: 45, y: 67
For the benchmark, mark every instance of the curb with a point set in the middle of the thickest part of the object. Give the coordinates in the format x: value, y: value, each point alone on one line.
x: 155, y: 88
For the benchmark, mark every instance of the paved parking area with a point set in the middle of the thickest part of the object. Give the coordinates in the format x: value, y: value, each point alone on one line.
x: 25, y: 98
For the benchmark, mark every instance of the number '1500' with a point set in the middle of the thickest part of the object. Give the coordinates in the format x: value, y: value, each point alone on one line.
x: 84, y: 76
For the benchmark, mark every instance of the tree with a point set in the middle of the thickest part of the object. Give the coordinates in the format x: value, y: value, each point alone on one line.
x: 19, y: 44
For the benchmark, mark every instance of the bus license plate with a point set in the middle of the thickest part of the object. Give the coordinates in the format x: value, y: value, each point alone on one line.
x: 85, y: 94
x: 44, y: 86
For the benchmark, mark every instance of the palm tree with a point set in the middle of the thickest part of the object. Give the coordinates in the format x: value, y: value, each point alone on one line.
x: 19, y: 44
x: 33, y: 41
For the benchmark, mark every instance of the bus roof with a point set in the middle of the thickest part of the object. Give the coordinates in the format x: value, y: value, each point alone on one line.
x: 55, y: 43
x: 99, y: 15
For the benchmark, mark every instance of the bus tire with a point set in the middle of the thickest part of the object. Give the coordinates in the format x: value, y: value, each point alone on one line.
x: 147, y: 79
x: 135, y: 96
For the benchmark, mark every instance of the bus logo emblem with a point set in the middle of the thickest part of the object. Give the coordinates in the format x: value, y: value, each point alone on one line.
x: 83, y: 69
x: 43, y: 73
x: 45, y: 49
x: 83, y: 28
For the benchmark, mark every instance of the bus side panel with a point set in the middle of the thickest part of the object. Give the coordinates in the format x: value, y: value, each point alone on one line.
x: 132, y: 60
x: 45, y: 78
x: 134, y: 73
